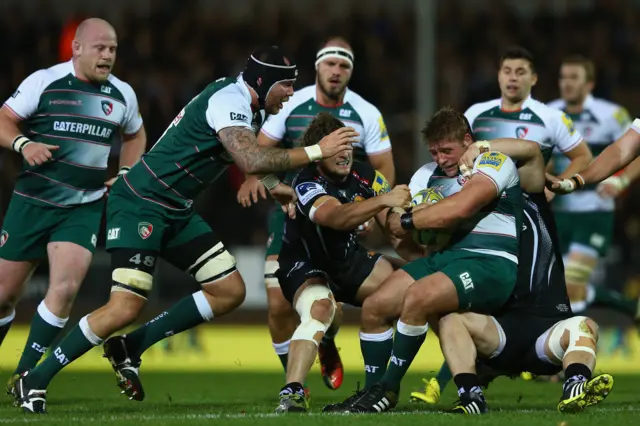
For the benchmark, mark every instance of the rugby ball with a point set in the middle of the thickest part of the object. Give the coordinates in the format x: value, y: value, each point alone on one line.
x: 426, y: 237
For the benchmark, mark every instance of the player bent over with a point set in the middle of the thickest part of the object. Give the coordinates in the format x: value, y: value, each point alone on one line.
x: 150, y: 214
x: 475, y: 272
x: 321, y: 261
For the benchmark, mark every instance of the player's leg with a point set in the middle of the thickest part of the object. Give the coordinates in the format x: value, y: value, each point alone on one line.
x: 465, y: 281
x: 572, y: 343
x: 71, y: 245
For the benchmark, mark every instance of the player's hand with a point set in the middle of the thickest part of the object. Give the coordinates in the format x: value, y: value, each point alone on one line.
x: 468, y: 158
x: 399, y: 196
x: 560, y: 186
x: 394, y: 227
x: 286, y: 196
x: 366, y: 227
x: 36, y: 153
x: 612, y: 186
x: 338, y: 141
x: 249, y: 191
x: 549, y: 195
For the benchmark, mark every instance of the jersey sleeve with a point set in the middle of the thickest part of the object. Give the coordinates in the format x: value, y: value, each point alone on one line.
x: 564, y: 132
x: 620, y: 123
x: 132, y: 118
x: 499, y: 168
x: 308, y: 192
x: 275, y: 126
x: 420, y: 179
x: 26, y: 98
x: 376, y: 137
x: 228, y: 108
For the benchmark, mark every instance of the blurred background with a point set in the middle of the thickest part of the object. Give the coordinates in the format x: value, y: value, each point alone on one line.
x: 411, y: 57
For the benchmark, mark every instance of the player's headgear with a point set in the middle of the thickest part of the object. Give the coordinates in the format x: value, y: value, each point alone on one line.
x: 334, y: 52
x: 266, y: 67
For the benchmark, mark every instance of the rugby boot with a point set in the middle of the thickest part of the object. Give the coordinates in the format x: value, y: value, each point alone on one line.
x: 126, y: 367
x: 292, y: 399
x: 29, y: 399
x: 471, y: 402
x: 376, y: 399
x: 330, y: 364
x: 340, y: 407
x: 431, y: 394
x: 11, y: 387
x: 579, y: 393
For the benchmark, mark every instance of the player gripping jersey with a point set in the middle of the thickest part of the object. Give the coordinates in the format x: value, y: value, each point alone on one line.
x: 71, y: 114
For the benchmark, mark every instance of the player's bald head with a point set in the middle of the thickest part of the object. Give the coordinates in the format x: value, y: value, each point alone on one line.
x: 92, y: 28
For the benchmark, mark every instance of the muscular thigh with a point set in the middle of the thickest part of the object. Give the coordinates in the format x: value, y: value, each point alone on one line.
x: 79, y: 226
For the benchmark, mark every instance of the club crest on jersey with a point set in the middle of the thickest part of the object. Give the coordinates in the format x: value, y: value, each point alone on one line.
x: 107, y: 107
x: 145, y: 229
x: 521, y: 132
x: 4, y: 236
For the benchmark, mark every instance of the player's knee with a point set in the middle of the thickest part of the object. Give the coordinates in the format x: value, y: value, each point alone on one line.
x: 574, y: 334
x: 417, y: 299
x: 64, y: 289
x: 215, y: 264
x: 133, y: 281
x: 270, y: 279
x: 311, y: 303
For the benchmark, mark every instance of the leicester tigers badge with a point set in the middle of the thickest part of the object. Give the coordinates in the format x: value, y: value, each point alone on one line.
x: 145, y: 229
x: 107, y: 107
x: 4, y: 236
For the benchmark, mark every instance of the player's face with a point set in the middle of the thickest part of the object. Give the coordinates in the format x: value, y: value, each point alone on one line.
x: 447, y: 153
x: 333, y: 77
x: 96, y: 54
x: 516, y: 79
x: 337, y: 167
x: 573, y: 83
x: 278, y: 95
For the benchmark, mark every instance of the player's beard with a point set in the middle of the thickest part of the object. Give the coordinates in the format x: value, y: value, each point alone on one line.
x: 334, y: 95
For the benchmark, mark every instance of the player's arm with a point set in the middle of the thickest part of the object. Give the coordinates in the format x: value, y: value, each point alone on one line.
x: 383, y: 162
x: 241, y: 143
x: 614, y: 185
x: 133, y: 146
x: 252, y: 186
x: 580, y: 157
x: 377, y: 145
x: 527, y: 153
x: 329, y: 212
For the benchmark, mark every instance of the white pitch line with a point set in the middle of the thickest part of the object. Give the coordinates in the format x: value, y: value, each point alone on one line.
x: 33, y: 418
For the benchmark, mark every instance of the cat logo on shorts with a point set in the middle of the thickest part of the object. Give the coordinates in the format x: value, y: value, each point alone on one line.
x: 4, y: 236
x: 145, y: 229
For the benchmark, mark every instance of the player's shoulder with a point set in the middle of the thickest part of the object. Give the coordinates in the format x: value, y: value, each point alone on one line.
x: 45, y: 76
x: 480, y: 107
x: 604, y: 108
x: 300, y: 97
x: 363, y: 170
x: 496, y: 162
x: 546, y: 113
x: 306, y: 174
x: 364, y: 108
x: 227, y: 91
x: 122, y: 86
x: 425, y: 172
x: 558, y: 104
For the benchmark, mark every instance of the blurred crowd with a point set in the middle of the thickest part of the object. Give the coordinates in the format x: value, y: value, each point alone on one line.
x: 170, y: 50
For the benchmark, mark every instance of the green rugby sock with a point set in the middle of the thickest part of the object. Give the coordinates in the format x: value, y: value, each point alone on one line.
x: 444, y: 376
x: 45, y: 327
x: 615, y: 300
x: 406, y: 344
x: 376, y: 350
x: 187, y: 313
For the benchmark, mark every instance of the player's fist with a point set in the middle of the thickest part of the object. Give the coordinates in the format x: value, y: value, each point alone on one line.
x: 36, y: 153
x: 399, y: 196
x: 612, y: 186
x: 468, y: 158
x: 564, y: 186
x: 338, y: 141
x: 249, y: 191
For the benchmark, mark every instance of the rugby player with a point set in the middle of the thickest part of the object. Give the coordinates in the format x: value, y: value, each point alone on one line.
x: 517, y: 114
x: 475, y: 271
x: 585, y: 219
x: 150, y: 214
x: 321, y: 262
x: 334, y: 67
x: 70, y: 113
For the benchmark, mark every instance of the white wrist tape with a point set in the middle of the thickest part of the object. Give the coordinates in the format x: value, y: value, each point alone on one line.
x: 19, y: 143
x: 270, y: 181
x: 567, y: 185
x: 123, y: 170
x: 484, y: 146
x: 620, y: 182
x: 314, y: 152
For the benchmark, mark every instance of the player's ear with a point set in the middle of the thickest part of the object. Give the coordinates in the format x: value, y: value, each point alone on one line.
x: 534, y: 79
x: 468, y: 140
x: 75, y: 46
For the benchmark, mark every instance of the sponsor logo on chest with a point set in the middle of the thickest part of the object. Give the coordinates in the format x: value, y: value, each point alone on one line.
x: 82, y: 129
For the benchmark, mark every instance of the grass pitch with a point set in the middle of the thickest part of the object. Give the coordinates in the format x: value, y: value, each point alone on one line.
x: 189, y: 398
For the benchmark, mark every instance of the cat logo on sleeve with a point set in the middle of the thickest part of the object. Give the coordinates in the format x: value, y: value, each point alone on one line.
x: 380, y: 184
x: 495, y: 160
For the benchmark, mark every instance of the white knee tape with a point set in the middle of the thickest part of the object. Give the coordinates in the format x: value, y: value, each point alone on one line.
x: 132, y: 281
x: 216, y: 264
x: 577, y: 328
x: 309, y: 326
x: 270, y: 268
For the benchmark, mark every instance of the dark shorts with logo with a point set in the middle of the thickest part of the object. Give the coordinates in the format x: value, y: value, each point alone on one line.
x: 134, y: 223
x: 343, y: 278
x: 29, y: 227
